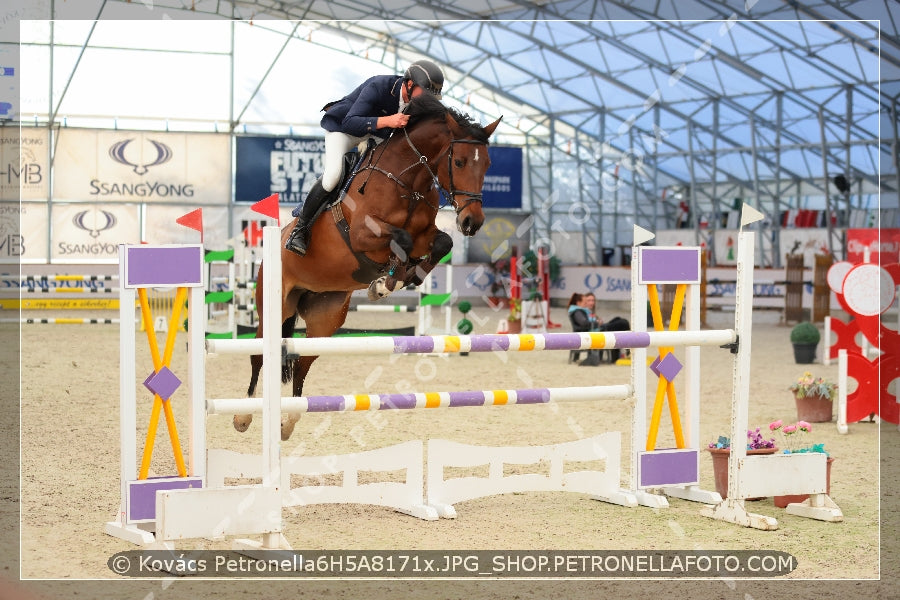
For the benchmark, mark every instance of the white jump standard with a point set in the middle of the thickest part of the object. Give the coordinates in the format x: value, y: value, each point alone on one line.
x: 216, y: 510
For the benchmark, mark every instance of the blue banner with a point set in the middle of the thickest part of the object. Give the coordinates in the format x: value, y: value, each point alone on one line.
x: 503, y: 181
x: 290, y: 166
x: 284, y: 165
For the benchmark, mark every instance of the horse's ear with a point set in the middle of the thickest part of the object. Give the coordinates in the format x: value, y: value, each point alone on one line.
x: 452, y: 124
x: 489, y: 129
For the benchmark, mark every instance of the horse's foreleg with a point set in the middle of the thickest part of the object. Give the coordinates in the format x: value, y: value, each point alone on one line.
x: 300, y: 368
x: 401, y: 246
x: 242, y: 422
x: 440, y: 247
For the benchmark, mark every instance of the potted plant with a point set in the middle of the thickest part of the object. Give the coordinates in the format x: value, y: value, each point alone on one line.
x: 720, y: 450
x: 805, y: 338
x: 515, y: 315
x: 814, y: 397
x: 793, y: 442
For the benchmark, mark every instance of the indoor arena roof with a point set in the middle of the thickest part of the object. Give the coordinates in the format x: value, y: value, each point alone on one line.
x: 709, y: 88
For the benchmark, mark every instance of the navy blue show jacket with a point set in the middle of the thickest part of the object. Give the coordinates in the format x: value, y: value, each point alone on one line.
x: 357, y: 113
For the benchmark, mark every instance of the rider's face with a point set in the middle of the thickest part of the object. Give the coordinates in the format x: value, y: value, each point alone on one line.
x: 410, y: 91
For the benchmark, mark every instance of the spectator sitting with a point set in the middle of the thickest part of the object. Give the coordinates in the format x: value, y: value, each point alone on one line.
x: 582, y: 318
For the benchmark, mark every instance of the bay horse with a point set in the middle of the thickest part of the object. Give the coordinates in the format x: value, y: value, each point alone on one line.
x: 381, y: 234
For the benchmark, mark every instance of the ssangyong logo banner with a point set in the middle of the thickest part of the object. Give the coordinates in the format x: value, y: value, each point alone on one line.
x: 24, y: 170
x: 92, y: 232
x: 288, y: 166
x: 142, y: 166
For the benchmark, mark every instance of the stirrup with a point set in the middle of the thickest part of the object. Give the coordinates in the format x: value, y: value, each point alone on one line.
x: 296, y: 242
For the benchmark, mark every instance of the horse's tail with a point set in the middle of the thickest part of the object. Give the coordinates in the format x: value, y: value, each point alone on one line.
x: 287, y: 366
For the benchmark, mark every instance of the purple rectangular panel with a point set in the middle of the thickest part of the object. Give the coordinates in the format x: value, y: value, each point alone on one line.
x: 630, y: 339
x: 324, y: 403
x: 163, y: 266
x: 538, y: 396
x: 413, y: 344
x: 142, y: 495
x: 489, y: 342
x: 563, y: 341
x: 669, y: 467
x: 472, y: 398
x: 669, y: 265
x: 398, y: 401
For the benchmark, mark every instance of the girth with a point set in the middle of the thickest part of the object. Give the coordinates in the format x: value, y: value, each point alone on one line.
x: 368, y: 270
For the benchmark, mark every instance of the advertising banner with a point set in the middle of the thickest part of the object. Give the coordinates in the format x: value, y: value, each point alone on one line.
x: 24, y: 231
x: 24, y: 163
x: 883, y: 245
x: 283, y: 165
x: 92, y: 232
x: 142, y: 166
x: 503, y: 181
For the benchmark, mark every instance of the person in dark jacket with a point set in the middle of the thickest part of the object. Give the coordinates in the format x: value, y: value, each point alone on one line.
x: 582, y: 318
x: 374, y: 108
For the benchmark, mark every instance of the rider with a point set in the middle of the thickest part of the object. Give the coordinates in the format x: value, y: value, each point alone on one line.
x: 372, y: 109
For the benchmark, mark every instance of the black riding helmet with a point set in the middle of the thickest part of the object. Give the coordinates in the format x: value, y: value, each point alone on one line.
x: 427, y: 76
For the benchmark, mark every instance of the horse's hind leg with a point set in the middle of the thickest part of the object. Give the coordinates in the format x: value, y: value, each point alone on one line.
x: 324, y: 313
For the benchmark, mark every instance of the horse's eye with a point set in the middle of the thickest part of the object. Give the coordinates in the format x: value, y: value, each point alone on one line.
x: 459, y: 163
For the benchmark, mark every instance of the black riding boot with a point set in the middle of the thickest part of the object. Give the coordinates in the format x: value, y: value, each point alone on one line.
x: 299, y: 237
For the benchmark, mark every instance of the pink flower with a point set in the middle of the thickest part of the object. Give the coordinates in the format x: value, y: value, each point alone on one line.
x: 775, y: 425
x: 789, y: 429
x: 804, y: 426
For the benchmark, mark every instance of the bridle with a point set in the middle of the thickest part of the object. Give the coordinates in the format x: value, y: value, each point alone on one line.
x: 452, y: 193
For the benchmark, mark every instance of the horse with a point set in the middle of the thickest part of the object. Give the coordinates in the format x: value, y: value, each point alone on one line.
x: 382, y: 234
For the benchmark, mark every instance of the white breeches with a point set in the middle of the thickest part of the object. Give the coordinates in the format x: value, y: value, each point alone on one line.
x: 336, y: 145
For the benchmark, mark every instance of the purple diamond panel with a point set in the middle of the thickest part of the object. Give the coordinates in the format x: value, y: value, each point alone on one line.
x: 162, y: 383
x: 669, y: 367
x: 669, y: 265
x: 668, y: 467
x: 142, y: 494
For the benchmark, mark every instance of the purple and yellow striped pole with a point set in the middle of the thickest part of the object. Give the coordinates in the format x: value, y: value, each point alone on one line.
x: 480, y: 343
x: 419, y: 400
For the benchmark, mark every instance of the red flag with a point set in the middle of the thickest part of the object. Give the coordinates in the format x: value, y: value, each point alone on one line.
x: 193, y: 220
x: 269, y: 207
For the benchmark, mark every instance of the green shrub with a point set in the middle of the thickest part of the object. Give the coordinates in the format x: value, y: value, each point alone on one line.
x: 805, y: 333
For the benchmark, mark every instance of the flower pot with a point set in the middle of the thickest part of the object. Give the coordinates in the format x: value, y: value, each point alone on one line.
x: 805, y: 354
x: 783, y: 501
x: 720, y: 466
x: 515, y: 326
x: 813, y: 409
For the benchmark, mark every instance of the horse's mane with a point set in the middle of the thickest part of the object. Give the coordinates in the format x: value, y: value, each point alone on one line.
x: 425, y: 107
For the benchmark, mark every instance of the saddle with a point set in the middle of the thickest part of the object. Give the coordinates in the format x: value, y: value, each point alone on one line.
x: 350, y: 164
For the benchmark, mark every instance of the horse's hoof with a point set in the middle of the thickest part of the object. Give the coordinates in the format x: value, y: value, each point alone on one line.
x: 376, y: 289
x: 242, y: 422
x: 287, y: 428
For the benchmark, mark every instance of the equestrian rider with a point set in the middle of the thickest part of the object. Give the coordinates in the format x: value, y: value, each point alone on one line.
x: 372, y: 109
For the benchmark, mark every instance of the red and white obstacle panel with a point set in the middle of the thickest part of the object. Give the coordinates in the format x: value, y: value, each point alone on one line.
x: 865, y: 291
